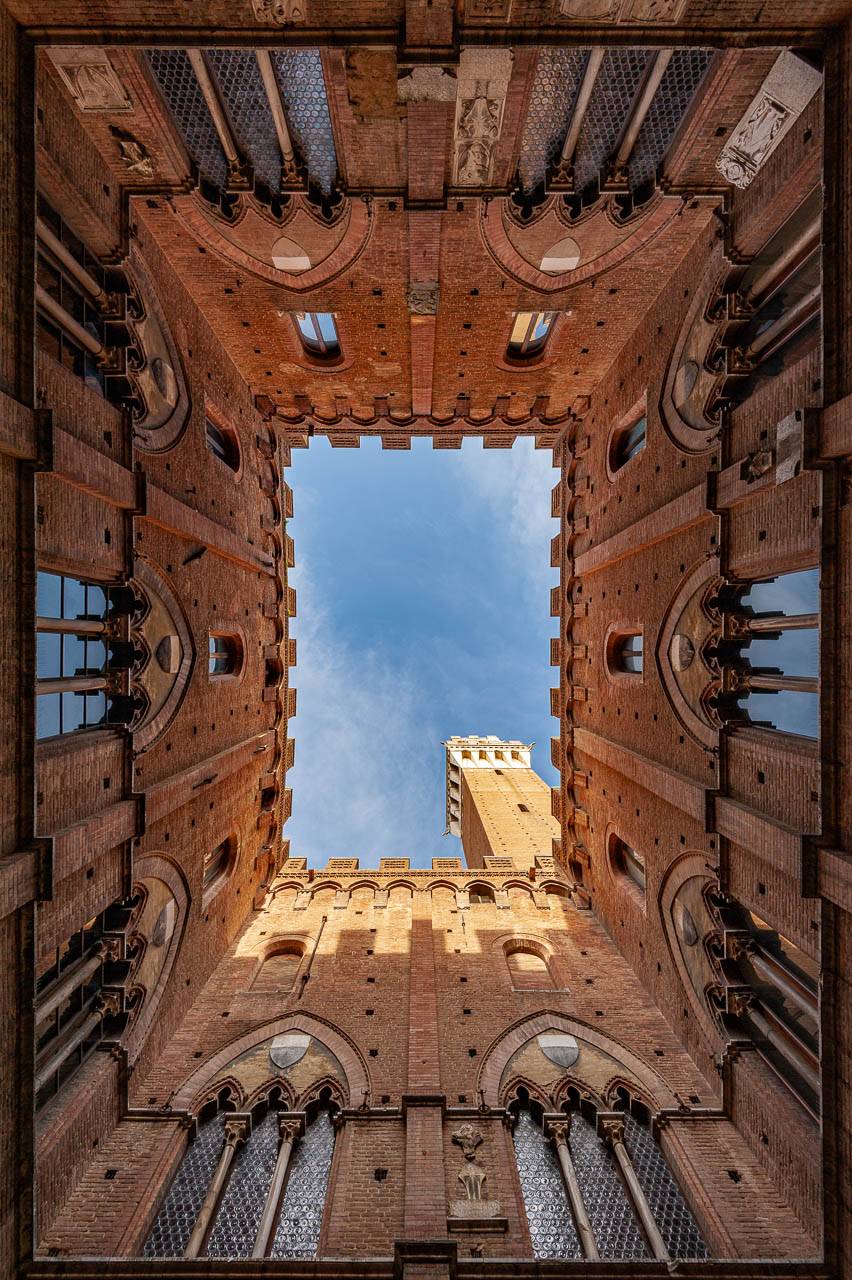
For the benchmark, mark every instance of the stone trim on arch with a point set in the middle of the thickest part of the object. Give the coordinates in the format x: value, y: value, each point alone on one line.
x: 159, y: 866
x: 500, y: 248
x: 690, y: 865
x: 501, y: 1049
x: 339, y: 1044
x: 153, y: 579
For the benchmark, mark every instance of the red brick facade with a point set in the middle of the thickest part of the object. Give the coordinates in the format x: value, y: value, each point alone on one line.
x: 633, y: 909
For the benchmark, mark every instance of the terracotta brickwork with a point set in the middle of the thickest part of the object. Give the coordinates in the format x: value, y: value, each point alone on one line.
x: 678, y: 907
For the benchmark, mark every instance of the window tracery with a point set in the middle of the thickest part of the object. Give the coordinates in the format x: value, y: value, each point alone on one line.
x: 251, y: 1184
x: 595, y: 1184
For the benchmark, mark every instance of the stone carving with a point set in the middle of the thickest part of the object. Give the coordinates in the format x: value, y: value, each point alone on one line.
x: 468, y: 1138
x: 500, y: 9
x: 477, y: 131
x: 89, y: 76
x: 472, y: 1179
x: 559, y: 1048
x: 426, y: 84
x: 782, y: 97
x: 288, y: 1048
x: 423, y: 299
x: 585, y: 10
x: 654, y: 11
x: 134, y: 155
x: 279, y: 12
x: 483, y: 78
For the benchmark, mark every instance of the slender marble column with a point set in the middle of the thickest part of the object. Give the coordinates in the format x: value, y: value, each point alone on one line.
x: 237, y: 1129
x: 290, y: 1128
x: 611, y: 1129
x: 559, y: 1130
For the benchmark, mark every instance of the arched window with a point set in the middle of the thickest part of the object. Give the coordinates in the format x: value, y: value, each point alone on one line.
x: 318, y: 333
x: 245, y: 1156
x: 530, y: 332
x: 72, y: 1012
x: 627, y: 440
x: 75, y: 683
x: 628, y: 867
x: 218, y: 864
x: 278, y: 971
x: 479, y: 893
x: 624, y: 653
x: 226, y: 655
x: 222, y: 441
x: 775, y: 628
x: 72, y: 296
x: 596, y: 1186
x: 528, y: 970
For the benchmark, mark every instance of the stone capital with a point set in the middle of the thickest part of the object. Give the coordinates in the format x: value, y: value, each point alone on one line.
x: 237, y: 1128
x: 611, y: 1127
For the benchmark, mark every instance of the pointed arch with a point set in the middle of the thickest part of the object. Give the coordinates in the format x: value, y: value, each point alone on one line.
x: 351, y: 1060
x: 501, y: 1049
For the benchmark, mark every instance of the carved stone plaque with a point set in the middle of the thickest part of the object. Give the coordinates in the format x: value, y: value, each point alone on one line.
x: 423, y: 299
x: 279, y: 12
x: 89, y: 76
x: 782, y: 97
x: 483, y: 79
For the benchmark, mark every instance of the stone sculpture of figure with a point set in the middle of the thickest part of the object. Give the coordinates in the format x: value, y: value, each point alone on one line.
x: 468, y: 1138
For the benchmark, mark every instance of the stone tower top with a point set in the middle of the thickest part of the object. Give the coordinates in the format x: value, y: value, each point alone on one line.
x: 475, y: 752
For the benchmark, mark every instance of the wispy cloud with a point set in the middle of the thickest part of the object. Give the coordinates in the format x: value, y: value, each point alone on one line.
x: 361, y: 785
x: 518, y: 494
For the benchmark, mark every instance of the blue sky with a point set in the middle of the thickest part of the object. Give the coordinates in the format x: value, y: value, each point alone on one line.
x: 423, y: 583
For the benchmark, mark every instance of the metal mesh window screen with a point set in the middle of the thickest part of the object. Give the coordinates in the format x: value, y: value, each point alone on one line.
x: 302, y: 86
x: 241, y: 86
x: 614, y: 1227
x: 680, y: 80
x: 621, y: 74
x: 548, y: 1213
x: 181, y: 1207
x: 176, y: 78
x: 235, y: 1227
x: 557, y: 80
x: 677, y: 1226
x: 298, y: 1231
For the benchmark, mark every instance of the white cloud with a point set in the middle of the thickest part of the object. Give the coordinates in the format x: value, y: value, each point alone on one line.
x: 517, y: 489
x: 360, y: 785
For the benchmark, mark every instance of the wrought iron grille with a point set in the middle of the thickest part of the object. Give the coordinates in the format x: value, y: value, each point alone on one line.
x: 620, y: 76
x: 548, y: 1213
x: 298, y: 1231
x: 302, y: 86
x: 235, y: 1229
x: 613, y: 1225
x: 176, y: 78
x: 680, y: 80
x: 676, y: 1224
x: 241, y: 85
x: 181, y: 1207
x: 558, y: 77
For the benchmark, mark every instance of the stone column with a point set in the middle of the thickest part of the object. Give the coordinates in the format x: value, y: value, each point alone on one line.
x: 559, y: 1131
x: 611, y: 1129
x: 290, y: 1128
x: 237, y: 1129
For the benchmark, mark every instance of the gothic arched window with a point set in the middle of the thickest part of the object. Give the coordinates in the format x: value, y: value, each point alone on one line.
x: 279, y: 969
x: 774, y: 631
x: 218, y: 865
x: 250, y: 1185
x: 596, y: 1186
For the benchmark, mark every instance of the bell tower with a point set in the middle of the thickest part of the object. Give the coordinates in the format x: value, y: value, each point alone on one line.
x: 496, y: 803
